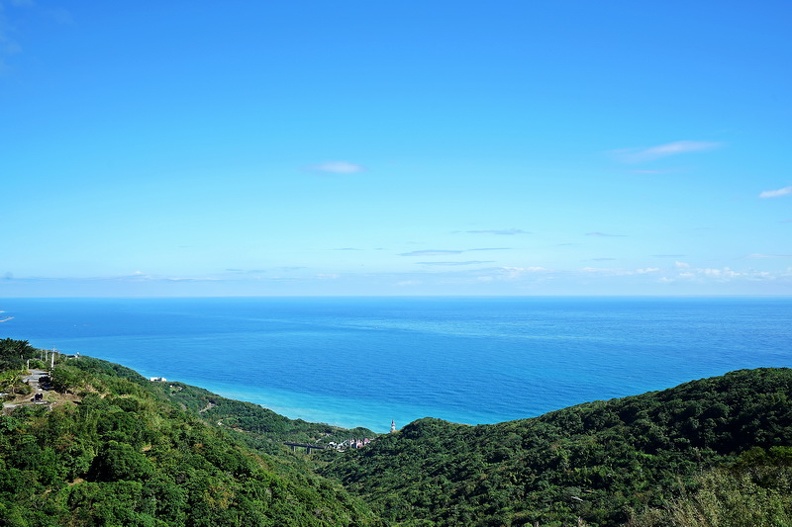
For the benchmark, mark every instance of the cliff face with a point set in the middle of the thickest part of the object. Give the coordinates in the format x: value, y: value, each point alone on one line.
x: 106, y: 447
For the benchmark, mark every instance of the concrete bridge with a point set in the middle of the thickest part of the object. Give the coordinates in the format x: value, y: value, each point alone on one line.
x: 307, y: 446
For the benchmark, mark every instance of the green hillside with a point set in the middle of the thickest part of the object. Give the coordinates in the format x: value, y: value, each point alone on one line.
x: 637, y: 461
x: 106, y: 447
x: 258, y: 427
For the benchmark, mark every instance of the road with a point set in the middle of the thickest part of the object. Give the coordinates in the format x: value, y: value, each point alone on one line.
x: 33, y: 379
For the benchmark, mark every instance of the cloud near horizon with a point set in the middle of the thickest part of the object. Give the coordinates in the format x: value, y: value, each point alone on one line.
x: 469, y: 262
x: 432, y: 252
x: 515, y: 271
x: 443, y: 252
x: 500, y: 232
x: 642, y: 155
x: 762, y: 256
x: 598, y: 234
x: 442, y: 274
x: 785, y: 191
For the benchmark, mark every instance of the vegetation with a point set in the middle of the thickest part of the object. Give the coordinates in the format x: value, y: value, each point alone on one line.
x: 108, y: 447
x: 659, y: 455
x: 260, y: 428
x: 15, y: 353
x: 122, y: 453
x: 753, y: 491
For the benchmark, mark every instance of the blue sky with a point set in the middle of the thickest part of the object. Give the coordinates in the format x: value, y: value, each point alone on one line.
x: 407, y: 148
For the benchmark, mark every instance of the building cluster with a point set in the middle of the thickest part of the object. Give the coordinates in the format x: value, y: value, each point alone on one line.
x: 349, y: 443
x: 356, y: 443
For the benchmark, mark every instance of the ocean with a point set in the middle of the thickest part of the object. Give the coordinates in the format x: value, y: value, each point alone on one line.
x: 367, y: 361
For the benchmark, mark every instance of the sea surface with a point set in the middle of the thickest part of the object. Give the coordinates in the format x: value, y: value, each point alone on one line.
x: 367, y: 361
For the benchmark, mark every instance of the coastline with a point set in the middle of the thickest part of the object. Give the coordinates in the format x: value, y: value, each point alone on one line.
x: 354, y: 362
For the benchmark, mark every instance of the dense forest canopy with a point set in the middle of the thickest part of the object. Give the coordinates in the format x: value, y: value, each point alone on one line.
x: 108, y: 447
x: 14, y: 353
x: 104, y: 446
x: 606, y: 462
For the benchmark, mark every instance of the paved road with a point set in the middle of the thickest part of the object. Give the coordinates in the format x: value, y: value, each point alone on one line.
x: 32, y: 378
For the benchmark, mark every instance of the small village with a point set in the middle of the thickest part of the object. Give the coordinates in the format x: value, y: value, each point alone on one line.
x: 348, y: 444
x: 356, y: 443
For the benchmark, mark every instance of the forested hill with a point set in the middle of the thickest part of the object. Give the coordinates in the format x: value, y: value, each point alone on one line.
x: 714, y: 452
x: 107, y: 447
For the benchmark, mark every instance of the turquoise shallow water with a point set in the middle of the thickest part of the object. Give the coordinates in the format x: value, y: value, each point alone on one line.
x: 365, y: 361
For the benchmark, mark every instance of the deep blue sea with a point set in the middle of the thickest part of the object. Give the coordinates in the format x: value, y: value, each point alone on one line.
x: 365, y: 361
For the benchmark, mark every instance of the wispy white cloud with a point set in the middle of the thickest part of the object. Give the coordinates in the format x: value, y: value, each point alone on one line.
x: 446, y: 280
x: 723, y: 273
x: 500, y: 232
x: 597, y: 234
x: 617, y: 271
x: 785, y: 191
x: 245, y: 271
x: 642, y: 155
x: 432, y: 252
x: 763, y: 256
x: 649, y: 172
x: 444, y: 252
x: 8, y: 45
x: 338, y: 167
x: 6, y: 26
x: 453, y: 264
x: 59, y: 15
x: 686, y: 272
x: 516, y: 272
x: 601, y: 270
